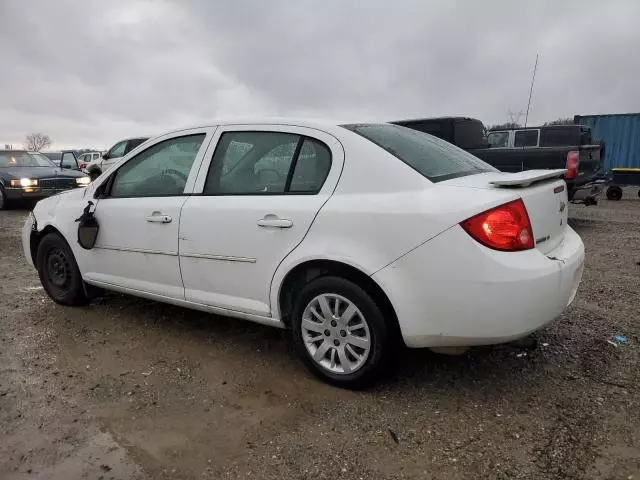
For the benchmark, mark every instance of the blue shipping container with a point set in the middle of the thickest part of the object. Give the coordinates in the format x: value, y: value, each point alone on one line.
x: 621, y: 135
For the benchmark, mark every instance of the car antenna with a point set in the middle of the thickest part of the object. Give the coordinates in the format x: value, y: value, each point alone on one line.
x: 533, y: 79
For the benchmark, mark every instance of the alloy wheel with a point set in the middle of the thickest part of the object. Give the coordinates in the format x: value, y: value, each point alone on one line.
x: 336, y: 334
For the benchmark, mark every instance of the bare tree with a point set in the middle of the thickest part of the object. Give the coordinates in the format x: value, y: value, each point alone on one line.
x: 37, y: 141
x: 514, y: 117
x: 559, y: 121
x: 504, y: 126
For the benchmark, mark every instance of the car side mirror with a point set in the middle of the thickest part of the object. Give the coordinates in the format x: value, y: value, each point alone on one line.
x: 105, y: 156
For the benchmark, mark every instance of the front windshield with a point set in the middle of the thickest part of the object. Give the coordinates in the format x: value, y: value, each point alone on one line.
x: 24, y: 159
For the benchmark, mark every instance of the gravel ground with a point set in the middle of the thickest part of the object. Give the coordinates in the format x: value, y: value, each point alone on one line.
x: 131, y: 389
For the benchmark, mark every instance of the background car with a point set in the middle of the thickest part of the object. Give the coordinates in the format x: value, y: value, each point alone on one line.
x: 352, y: 236
x: 31, y: 175
x: 63, y: 159
x: 85, y: 158
x: 96, y: 166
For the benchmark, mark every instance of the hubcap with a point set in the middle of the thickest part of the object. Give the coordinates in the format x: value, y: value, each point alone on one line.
x: 58, y: 269
x: 336, y: 334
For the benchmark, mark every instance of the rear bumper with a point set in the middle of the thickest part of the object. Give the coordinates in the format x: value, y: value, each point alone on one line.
x: 452, y: 291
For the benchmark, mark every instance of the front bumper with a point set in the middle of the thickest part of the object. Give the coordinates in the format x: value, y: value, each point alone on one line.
x: 452, y: 291
x: 28, y: 193
x: 27, y: 229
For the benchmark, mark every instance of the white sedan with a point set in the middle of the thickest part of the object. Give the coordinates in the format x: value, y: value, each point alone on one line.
x: 352, y: 236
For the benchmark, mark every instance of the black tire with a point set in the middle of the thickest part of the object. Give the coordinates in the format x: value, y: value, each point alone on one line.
x: 58, y: 271
x: 3, y: 199
x: 95, y: 173
x: 370, y: 314
x: 614, y: 193
x: 638, y: 193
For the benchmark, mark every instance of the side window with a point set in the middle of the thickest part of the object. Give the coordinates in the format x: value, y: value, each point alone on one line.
x: 68, y: 160
x: 526, y: 138
x: 161, y: 170
x: 498, y: 139
x: 558, y: 136
x: 117, y: 150
x: 312, y: 167
x: 251, y: 163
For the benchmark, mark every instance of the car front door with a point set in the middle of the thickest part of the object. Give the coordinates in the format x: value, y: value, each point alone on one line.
x: 138, y: 209
x: 68, y: 161
x: 256, y: 196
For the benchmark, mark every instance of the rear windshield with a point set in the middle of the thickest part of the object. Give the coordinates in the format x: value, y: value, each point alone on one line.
x: 433, y: 158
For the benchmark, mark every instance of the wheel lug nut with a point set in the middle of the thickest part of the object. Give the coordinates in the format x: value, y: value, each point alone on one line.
x: 334, y: 323
x: 343, y: 333
x: 327, y: 333
x: 336, y: 342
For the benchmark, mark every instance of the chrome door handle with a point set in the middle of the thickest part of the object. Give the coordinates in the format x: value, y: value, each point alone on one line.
x: 157, y: 217
x: 275, y: 221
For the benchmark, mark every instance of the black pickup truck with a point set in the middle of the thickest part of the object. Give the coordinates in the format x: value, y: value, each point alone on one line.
x: 515, y: 150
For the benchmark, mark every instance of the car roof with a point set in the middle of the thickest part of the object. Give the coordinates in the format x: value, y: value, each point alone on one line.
x: 435, y: 119
x: 315, y: 123
x: 17, y: 151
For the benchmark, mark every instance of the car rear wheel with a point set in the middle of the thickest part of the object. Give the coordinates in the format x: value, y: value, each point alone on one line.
x: 340, y: 332
x: 614, y: 193
x: 58, y: 271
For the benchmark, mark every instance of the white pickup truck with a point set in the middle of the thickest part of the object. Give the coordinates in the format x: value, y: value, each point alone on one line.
x: 119, y: 150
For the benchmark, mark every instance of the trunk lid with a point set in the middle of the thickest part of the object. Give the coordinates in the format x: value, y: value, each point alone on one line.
x: 544, y: 195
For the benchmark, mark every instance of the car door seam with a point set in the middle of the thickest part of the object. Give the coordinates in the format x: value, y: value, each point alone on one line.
x: 335, y: 187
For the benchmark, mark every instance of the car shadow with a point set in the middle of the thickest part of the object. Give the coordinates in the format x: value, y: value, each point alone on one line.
x: 489, y: 368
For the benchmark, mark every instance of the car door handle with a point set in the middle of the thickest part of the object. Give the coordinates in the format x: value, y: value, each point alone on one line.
x: 157, y: 217
x: 275, y: 221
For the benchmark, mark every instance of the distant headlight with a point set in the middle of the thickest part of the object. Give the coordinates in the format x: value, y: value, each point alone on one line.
x: 83, y: 180
x: 24, y: 182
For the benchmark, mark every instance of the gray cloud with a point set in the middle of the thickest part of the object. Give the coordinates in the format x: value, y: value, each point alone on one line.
x: 89, y: 72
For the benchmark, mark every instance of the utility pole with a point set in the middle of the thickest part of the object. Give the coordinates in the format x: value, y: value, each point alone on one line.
x: 533, y: 79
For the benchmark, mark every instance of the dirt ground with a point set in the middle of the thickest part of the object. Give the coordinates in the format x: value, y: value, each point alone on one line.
x: 131, y: 389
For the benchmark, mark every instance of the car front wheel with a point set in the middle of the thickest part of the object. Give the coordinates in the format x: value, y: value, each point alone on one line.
x: 59, y: 272
x: 340, y: 332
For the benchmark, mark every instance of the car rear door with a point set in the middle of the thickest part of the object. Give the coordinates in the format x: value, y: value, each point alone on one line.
x: 255, y: 198
x: 138, y: 210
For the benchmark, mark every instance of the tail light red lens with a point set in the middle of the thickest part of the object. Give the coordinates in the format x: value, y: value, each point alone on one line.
x: 505, y: 228
x: 83, y: 165
x: 573, y: 164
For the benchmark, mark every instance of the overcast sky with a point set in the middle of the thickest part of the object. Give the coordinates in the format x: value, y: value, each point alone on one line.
x: 90, y: 72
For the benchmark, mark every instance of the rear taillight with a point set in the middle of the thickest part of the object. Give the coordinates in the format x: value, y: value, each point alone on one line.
x: 83, y: 165
x: 505, y: 228
x: 573, y: 164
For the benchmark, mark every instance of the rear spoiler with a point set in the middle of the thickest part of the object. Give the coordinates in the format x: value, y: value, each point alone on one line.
x: 528, y: 177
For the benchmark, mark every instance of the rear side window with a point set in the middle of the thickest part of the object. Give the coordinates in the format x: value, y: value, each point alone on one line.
x: 267, y: 163
x: 559, y: 136
x: 311, y: 167
x: 433, y: 158
x: 526, y: 138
